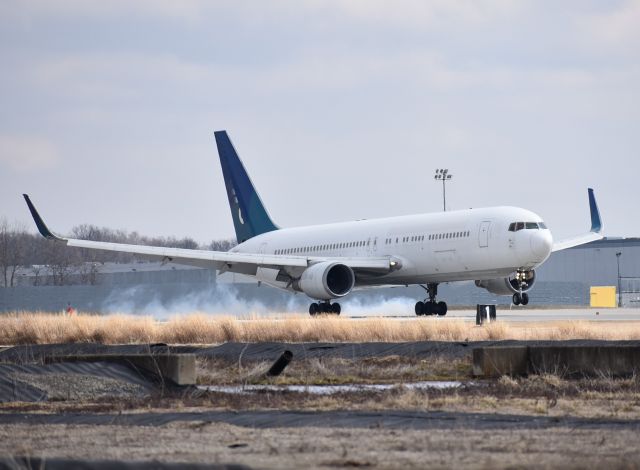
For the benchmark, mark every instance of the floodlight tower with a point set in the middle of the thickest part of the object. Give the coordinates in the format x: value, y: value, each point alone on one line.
x: 442, y: 174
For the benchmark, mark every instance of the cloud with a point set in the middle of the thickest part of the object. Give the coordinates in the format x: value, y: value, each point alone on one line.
x: 184, y: 9
x: 27, y: 154
x: 615, y: 30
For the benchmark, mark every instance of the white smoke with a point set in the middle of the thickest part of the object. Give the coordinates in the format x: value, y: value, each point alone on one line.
x: 221, y: 299
x: 378, y: 306
x: 225, y: 299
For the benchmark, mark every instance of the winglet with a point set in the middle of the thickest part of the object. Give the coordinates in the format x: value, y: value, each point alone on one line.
x: 42, y: 227
x: 596, y: 221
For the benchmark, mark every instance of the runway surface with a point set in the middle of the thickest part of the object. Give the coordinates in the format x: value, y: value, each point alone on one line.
x: 517, y: 314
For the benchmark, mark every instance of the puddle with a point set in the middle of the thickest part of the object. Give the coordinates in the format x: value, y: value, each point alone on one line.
x: 330, y: 389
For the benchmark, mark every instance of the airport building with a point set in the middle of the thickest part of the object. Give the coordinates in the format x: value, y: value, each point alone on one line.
x: 609, y: 262
x: 566, y: 278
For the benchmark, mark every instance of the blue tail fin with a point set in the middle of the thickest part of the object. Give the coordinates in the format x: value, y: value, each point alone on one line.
x: 250, y: 218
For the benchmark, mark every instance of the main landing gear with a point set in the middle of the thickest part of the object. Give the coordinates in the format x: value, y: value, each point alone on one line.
x: 431, y: 307
x: 520, y: 298
x: 318, y: 308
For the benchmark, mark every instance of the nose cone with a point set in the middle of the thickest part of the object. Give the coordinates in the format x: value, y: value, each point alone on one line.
x: 541, y: 244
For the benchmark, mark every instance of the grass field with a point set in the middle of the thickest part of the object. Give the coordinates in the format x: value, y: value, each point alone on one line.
x: 41, y: 328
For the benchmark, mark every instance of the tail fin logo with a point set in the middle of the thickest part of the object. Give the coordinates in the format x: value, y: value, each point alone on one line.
x: 235, y: 199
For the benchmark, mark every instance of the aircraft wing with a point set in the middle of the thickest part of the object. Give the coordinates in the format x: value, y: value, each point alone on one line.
x: 225, y: 261
x: 594, y: 234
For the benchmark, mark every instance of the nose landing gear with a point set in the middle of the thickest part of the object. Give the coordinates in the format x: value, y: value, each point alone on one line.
x: 431, y: 307
x: 318, y: 308
x: 521, y: 298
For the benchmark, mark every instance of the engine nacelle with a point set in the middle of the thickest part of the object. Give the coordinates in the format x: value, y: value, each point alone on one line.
x: 327, y: 280
x: 509, y: 285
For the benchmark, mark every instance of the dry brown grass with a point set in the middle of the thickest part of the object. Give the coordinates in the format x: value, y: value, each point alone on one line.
x: 34, y: 328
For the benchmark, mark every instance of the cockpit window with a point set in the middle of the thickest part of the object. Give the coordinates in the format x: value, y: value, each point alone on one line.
x: 516, y: 226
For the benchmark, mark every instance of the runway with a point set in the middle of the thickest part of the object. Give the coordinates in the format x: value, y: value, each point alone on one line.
x: 517, y: 314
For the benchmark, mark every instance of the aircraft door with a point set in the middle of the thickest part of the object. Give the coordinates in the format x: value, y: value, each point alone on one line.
x: 483, y: 234
x: 372, y: 246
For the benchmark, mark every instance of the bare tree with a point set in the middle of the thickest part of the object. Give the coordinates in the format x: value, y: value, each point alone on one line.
x: 88, y: 273
x: 12, y: 251
x: 222, y: 245
x: 36, y: 270
x: 62, y: 262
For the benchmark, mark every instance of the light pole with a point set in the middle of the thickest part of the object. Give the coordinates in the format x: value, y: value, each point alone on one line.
x: 444, y: 176
x: 618, y: 254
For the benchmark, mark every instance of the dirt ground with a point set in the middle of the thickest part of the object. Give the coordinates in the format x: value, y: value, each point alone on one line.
x: 323, y: 447
x: 540, y: 421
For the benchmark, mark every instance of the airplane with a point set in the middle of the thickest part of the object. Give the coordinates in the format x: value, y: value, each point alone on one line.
x: 497, y: 247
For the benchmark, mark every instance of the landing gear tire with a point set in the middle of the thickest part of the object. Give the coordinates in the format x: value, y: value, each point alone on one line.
x: 318, y: 308
x: 525, y: 298
x: 430, y: 306
x: 517, y: 300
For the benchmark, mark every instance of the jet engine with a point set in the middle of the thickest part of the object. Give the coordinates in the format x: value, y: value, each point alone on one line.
x: 327, y: 280
x: 510, y: 285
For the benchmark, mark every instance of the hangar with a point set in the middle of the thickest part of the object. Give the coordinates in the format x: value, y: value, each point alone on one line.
x: 607, y: 262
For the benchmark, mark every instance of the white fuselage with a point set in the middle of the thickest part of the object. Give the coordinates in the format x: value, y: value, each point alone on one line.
x: 473, y: 244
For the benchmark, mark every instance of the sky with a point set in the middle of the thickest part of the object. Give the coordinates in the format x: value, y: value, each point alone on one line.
x: 340, y: 110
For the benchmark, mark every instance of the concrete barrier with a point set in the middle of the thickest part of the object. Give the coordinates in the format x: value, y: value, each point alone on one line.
x: 178, y: 368
x: 494, y: 361
x: 585, y: 360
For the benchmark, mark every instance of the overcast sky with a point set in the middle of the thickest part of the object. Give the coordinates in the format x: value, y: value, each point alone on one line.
x: 340, y: 110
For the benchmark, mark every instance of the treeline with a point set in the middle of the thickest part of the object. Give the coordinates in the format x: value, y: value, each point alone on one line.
x: 49, y: 262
